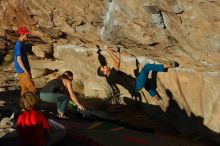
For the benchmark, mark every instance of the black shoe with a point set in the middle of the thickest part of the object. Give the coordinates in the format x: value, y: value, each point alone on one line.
x: 174, y: 64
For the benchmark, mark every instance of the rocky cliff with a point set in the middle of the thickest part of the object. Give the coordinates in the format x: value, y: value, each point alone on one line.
x: 147, y: 31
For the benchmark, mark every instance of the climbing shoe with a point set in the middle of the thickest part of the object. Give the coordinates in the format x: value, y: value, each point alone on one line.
x: 174, y: 64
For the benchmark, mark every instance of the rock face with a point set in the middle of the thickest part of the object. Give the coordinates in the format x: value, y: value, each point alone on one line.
x: 42, y: 50
x: 187, y: 29
x: 82, y: 61
x: 195, y: 91
x: 178, y: 85
x: 150, y: 31
x: 54, y: 19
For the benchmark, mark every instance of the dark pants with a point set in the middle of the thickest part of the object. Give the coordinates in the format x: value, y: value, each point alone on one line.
x: 62, y: 100
x: 142, y: 78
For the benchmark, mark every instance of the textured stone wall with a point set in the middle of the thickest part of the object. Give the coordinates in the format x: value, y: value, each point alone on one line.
x: 151, y: 31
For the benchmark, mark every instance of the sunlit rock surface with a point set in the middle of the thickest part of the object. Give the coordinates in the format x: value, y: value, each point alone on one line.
x: 150, y: 31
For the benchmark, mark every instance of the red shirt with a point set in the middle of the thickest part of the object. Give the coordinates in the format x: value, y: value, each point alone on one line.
x: 30, y: 126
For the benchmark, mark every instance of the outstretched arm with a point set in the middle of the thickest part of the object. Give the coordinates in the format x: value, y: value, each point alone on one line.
x: 72, y: 95
x: 116, y: 59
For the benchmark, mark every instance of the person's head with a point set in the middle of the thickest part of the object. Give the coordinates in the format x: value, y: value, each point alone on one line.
x: 103, y: 70
x: 23, y: 33
x: 28, y: 101
x: 67, y: 75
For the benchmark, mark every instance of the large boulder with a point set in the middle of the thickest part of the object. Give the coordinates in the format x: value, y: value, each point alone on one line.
x: 83, y: 62
x: 193, y: 90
